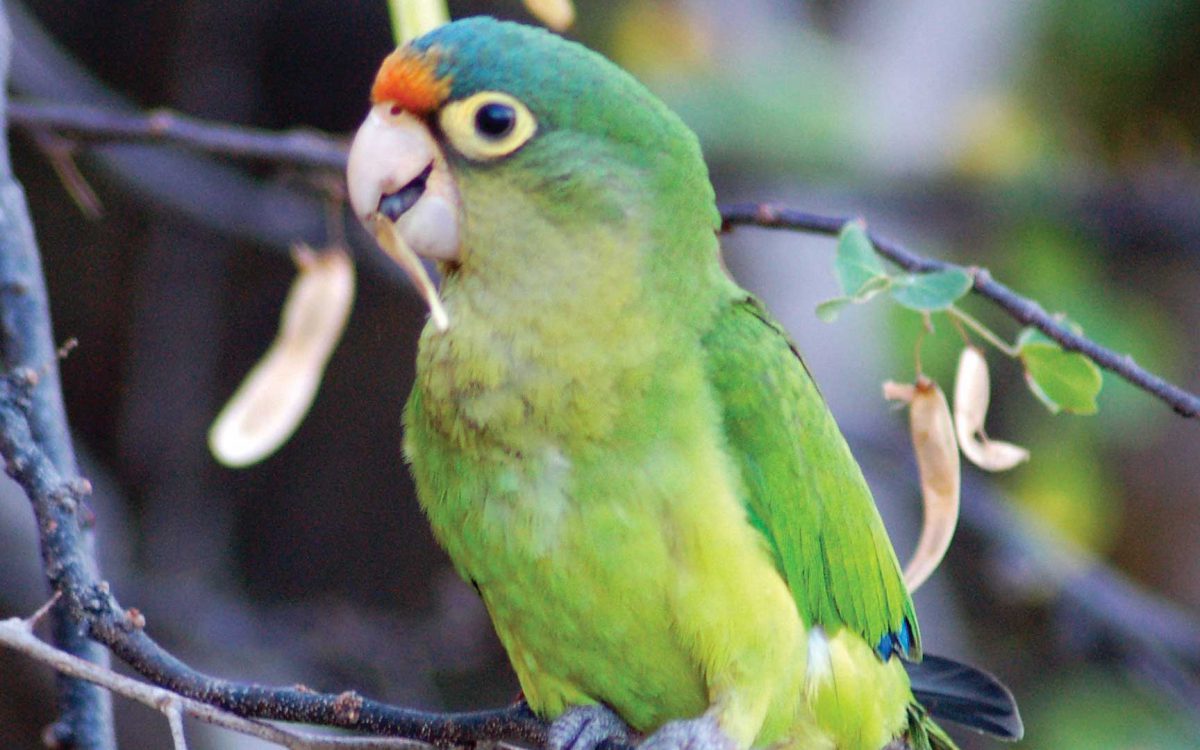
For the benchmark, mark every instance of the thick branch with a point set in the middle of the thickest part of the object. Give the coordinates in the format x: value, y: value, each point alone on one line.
x: 1021, y: 309
x: 27, y: 345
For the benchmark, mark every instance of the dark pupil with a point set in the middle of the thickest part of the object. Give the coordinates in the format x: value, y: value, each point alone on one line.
x: 495, y: 120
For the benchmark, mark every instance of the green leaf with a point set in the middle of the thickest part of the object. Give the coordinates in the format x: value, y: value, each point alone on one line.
x: 1062, y: 380
x: 930, y: 292
x: 828, y: 310
x: 874, y: 286
x: 1032, y: 335
x: 1029, y: 334
x: 857, y: 263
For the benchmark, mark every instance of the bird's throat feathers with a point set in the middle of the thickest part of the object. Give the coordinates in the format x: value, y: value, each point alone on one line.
x: 560, y: 317
x: 558, y: 245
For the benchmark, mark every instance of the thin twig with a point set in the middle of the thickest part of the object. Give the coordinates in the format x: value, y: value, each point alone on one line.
x: 60, y: 152
x: 1023, y: 310
x: 17, y: 634
x: 960, y: 316
x: 174, y: 713
x: 237, y: 204
x: 300, y: 148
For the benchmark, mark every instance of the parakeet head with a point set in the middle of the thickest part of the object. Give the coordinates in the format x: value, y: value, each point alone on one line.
x: 483, y: 130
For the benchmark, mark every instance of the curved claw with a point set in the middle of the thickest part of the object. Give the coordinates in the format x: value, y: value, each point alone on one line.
x: 586, y: 727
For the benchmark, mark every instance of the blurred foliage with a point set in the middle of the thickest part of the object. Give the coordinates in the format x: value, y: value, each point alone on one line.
x: 1088, y: 709
x: 999, y: 137
x: 1121, y: 76
x: 781, y: 105
x: 1067, y: 485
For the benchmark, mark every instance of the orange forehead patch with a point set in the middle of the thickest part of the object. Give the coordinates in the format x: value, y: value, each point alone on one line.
x: 409, y: 78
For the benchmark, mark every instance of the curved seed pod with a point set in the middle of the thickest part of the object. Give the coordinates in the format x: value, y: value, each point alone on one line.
x: 394, y: 245
x: 937, y: 463
x: 557, y: 14
x: 972, y: 391
x: 270, y: 403
x: 893, y: 391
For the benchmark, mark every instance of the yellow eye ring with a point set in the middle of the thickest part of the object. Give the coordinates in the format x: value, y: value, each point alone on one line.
x: 487, y: 125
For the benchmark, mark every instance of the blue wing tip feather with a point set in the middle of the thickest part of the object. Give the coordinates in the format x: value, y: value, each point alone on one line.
x: 899, y: 642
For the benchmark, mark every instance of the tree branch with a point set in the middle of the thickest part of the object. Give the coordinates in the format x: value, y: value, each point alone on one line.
x: 234, y: 203
x: 27, y: 346
x: 1023, y: 310
x: 18, y: 635
x: 98, y: 125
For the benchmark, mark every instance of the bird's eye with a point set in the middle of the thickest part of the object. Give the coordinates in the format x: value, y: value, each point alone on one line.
x: 487, y: 125
x: 495, y: 120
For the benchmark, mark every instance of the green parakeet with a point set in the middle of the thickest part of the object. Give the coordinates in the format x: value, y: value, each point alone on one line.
x: 618, y: 446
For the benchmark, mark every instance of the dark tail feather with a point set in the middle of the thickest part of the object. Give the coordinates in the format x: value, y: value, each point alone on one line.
x: 965, y: 695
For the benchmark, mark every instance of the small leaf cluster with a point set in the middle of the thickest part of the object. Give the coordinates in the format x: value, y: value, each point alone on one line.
x: 862, y: 275
x: 1062, y: 380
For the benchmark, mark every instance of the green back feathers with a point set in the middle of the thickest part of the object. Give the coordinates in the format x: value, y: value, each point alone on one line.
x: 804, y: 488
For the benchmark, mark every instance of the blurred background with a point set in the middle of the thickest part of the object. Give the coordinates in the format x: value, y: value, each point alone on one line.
x: 1054, y: 142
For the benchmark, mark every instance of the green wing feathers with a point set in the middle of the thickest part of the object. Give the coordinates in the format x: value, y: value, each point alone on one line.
x: 804, y: 489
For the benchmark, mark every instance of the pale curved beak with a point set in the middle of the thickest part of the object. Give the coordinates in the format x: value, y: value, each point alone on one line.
x: 396, y: 171
x: 401, y: 189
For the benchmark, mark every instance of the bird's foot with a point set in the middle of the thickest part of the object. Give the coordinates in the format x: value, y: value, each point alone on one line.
x: 702, y: 733
x: 586, y: 727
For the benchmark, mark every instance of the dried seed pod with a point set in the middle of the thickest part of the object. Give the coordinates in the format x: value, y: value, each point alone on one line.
x: 277, y: 393
x: 893, y: 391
x: 972, y: 391
x: 933, y: 441
x: 557, y: 14
x: 394, y: 245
